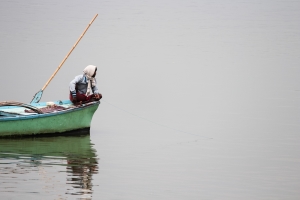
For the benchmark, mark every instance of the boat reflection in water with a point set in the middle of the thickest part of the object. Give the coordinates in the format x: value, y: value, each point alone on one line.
x: 53, y: 167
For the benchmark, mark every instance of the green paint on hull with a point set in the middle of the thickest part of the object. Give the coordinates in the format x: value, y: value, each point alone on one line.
x: 59, y: 122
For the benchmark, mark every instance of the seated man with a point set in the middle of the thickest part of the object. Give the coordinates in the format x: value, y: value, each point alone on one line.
x: 83, y: 87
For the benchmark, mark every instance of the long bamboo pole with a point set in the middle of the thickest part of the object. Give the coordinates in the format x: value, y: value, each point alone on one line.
x: 60, y: 65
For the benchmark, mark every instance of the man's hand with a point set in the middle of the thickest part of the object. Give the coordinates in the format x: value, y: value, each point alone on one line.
x: 74, y: 99
x: 98, y: 97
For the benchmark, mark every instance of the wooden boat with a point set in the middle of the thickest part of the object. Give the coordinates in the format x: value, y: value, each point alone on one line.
x: 17, y: 119
x: 46, y: 118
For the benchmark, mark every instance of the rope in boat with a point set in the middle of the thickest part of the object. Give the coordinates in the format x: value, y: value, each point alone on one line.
x: 155, y: 122
x: 16, y: 103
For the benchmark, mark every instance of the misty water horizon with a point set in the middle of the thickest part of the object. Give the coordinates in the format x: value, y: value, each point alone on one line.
x: 200, y: 98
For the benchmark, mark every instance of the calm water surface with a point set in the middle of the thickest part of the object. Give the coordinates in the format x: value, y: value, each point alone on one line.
x: 200, y: 99
x: 55, y: 167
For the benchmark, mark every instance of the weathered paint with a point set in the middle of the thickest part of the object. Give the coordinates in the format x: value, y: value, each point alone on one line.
x: 57, y: 122
x: 37, y: 97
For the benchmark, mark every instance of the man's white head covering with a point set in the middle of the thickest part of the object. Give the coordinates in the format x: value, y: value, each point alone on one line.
x: 89, y: 72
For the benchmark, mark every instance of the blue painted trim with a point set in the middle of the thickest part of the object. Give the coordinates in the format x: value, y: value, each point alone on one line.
x: 59, y: 102
x: 5, y: 114
x: 41, y: 104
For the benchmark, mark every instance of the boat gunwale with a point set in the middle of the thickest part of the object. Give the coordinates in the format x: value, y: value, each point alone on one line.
x: 60, y: 112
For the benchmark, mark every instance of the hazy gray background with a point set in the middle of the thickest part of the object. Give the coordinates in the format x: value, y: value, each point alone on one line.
x: 225, y: 73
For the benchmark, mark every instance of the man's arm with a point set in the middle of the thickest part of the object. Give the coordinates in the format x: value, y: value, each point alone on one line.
x: 72, y: 86
x: 95, y: 88
x: 98, y: 96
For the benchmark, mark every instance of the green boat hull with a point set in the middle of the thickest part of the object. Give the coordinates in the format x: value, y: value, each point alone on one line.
x: 78, y: 118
